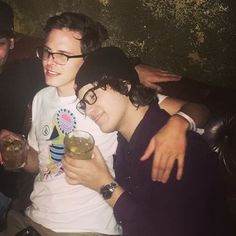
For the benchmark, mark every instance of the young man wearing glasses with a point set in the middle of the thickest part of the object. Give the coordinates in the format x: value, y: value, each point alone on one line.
x: 58, y: 206
x: 110, y: 93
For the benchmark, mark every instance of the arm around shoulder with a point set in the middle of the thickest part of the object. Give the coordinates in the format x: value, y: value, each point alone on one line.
x: 199, y: 113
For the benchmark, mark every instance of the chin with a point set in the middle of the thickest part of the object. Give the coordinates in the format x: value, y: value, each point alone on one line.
x: 106, y: 129
x: 51, y: 82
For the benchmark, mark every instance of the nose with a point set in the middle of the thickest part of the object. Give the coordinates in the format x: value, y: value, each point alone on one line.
x: 50, y: 59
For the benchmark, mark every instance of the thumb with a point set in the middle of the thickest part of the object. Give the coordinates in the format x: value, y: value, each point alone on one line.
x: 99, y: 161
x: 97, y: 154
x: 1, y: 161
x: 149, y: 150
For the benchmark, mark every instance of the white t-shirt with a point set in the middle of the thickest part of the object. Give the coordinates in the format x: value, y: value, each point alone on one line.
x: 56, y: 204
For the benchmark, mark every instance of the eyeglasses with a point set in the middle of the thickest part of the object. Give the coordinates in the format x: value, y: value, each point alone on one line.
x: 89, y: 98
x: 60, y: 58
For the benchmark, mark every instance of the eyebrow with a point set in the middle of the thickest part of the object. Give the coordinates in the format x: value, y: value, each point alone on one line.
x: 59, y: 51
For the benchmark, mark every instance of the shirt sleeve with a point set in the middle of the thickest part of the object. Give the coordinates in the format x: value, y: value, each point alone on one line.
x: 131, y: 218
x: 32, y: 139
x: 161, y: 98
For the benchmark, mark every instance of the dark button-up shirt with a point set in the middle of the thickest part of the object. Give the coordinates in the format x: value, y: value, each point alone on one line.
x: 189, y: 207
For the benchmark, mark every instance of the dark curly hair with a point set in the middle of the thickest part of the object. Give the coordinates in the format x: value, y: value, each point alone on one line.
x: 138, y: 94
x: 93, y: 33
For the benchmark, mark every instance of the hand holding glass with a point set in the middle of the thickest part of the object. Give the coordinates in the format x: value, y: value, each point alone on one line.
x: 13, y: 153
x: 79, y: 145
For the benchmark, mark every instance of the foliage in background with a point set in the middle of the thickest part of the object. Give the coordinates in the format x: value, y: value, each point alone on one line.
x: 195, y: 38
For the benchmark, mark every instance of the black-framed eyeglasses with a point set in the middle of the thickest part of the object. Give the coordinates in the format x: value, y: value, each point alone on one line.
x: 89, y: 98
x: 43, y: 53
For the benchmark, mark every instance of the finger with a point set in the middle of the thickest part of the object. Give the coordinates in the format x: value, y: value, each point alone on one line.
x: 70, y: 174
x: 166, y: 174
x: 2, y: 133
x: 168, y: 78
x: 153, y: 85
x: 97, y: 153
x: 162, y: 166
x: 71, y: 164
x: 71, y: 181
x: 1, y: 161
x: 156, y: 163
x: 180, y: 167
x: 149, y: 84
x: 165, y: 73
x: 74, y: 174
x: 9, y: 135
x: 155, y: 166
x: 149, y: 150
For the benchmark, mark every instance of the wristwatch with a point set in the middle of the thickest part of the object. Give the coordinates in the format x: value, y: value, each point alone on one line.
x: 108, y: 189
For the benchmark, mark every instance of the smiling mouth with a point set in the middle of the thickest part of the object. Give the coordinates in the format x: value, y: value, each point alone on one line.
x: 96, y: 118
x: 51, y: 73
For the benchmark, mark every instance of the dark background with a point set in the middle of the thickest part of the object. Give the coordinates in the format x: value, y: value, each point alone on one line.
x: 194, y: 38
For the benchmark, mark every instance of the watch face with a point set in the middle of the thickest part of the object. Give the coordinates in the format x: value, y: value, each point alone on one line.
x: 106, y: 193
x: 108, y: 189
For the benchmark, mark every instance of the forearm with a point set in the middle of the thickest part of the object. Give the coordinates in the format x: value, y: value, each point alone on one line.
x: 151, y: 76
x: 32, y: 162
x: 198, y: 112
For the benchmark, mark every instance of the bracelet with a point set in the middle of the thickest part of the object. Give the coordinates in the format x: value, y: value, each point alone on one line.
x: 192, y: 124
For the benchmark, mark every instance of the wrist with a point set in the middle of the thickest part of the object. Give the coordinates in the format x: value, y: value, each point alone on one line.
x: 107, y: 190
x: 179, y: 122
x: 111, y: 192
x: 189, y: 121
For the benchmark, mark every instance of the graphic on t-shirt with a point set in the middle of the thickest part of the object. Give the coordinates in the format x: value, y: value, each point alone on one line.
x: 63, y: 123
x: 66, y: 121
x: 45, y: 130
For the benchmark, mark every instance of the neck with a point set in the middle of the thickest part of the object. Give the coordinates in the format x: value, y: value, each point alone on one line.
x: 66, y: 90
x: 131, y: 120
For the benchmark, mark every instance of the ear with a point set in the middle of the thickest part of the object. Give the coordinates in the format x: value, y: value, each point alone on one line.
x: 12, y: 43
x: 126, y: 84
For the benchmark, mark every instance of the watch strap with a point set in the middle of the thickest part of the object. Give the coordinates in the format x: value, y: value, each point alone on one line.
x: 107, y: 190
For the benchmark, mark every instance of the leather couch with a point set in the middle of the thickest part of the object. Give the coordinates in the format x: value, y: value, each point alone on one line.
x: 220, y: 131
